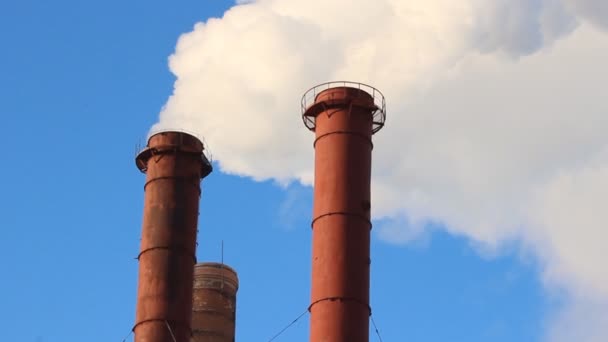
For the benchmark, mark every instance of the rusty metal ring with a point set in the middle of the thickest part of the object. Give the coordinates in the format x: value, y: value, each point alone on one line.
x: 341, y: 213
x: 162, y: 320
x: 357, y: 134
x: 169, y: 248
x: 195, y: 181
x: 340, y: 298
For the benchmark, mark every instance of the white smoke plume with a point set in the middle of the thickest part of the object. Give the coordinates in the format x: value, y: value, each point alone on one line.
x: 497, y: 118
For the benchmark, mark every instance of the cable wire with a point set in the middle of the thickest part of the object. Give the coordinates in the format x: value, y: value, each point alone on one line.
x: 126, y: 337
x: 376, y: 328
x: 288, y: 326
x: 170, y: 331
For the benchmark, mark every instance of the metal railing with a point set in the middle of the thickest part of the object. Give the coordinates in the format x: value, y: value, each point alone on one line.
x: 206, y: 151
x: 310, y: 96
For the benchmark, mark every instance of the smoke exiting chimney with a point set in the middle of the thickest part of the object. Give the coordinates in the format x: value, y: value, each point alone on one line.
x: 344, y: 116
x: 174, y: 164
x: 214, y: 303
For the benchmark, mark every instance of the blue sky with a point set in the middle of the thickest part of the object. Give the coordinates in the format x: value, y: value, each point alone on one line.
x: 82, y: 84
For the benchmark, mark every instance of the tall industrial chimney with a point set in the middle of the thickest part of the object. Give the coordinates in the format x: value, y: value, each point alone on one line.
x: 174, y: 164
x: 214, y: 303
x: 344, y: 116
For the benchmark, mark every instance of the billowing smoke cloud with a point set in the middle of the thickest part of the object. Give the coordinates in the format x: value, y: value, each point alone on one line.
x: 496, y: 126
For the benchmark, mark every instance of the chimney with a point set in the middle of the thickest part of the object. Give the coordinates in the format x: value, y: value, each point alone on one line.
x: 214, y: 303
x: 344, y: 116
x: 174, y: 165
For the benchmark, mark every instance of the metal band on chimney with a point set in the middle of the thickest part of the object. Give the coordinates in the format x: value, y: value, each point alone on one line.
x: 333, y: 298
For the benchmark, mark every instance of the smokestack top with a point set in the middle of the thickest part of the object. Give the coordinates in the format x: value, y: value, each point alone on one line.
x: 326, y: 95
x: 215, y: 274
x: 172, y: 141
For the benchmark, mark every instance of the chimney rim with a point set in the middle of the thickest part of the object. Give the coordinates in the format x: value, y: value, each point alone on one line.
x: 201, y: 270
x: 213, y: 264
x: 142, y: 157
